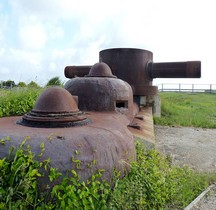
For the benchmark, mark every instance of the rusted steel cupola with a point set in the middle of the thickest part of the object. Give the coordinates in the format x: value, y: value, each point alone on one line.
x: 55, y: 107
x: 100, y: 90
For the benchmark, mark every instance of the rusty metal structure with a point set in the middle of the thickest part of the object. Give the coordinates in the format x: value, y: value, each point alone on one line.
x: 54, y: 108
x: 136, y: 67
x: 97, y: 115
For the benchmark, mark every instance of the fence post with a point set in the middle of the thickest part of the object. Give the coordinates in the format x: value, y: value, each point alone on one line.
x: 162, y: 87
x: 192, y: 88
x: 210, y: 88
x: 179, y: 87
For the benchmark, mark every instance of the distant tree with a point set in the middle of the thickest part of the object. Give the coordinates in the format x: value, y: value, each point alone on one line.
x: 21, y: 84
x: 33, y: 84
x: 8, y: 83
x: 55, y: 81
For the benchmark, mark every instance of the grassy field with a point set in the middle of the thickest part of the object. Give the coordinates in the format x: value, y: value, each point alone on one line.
x: 186, y: 109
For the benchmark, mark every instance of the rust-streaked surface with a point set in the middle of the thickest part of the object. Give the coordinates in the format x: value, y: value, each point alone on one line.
x: 128, y: 64
x: 102, y: 94
x: 106, y: 141
x: 189, y: 69
x: 100, y: 69
x: 145, y: 132
x: 76, y: 71
x: 146, y: 90
x: 136, y: 67
x: 55, y: 107
x: 55, y: 100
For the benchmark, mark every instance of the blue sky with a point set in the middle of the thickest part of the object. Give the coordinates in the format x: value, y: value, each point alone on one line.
x: 39, y: 38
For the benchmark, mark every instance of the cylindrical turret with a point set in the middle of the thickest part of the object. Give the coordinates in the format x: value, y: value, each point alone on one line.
x: 136, y: 67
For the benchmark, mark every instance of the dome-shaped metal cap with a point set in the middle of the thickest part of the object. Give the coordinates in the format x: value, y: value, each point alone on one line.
x: 55, y: 100
x: 55, y: 107
x: 100, y: 69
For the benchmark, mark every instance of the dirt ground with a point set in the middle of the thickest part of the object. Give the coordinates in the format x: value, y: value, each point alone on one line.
x: 195, y: 147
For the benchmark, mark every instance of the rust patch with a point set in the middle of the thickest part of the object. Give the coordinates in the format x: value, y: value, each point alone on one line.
x: 146, y: 127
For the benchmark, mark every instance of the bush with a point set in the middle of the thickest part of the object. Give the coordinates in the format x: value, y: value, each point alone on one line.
x: 18, y: 102
x: 18, y: 184
x: 151, y: 184
x: 154, y: 183
x: 33, y: 84
x: 21, y: 84
x: 55, y: 81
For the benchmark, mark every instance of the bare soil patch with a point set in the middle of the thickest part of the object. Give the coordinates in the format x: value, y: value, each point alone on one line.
x: 194, y: 147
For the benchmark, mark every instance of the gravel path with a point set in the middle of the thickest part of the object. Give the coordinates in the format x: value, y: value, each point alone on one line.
x: 194, y: 147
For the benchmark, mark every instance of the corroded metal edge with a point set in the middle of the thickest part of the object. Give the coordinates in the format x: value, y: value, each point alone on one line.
x: 144, y: 128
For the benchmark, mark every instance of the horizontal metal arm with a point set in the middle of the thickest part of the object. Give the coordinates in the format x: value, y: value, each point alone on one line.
x: 189, y: 69
x: 76, y: 71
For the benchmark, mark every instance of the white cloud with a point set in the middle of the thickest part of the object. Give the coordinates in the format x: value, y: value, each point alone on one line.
x: 52, y: 66
x: 33, y: 36
x: 3, y: 27
x: 28, y: 57
x: 5, y: 70
x: 2, y: 51
x: 55, y: 33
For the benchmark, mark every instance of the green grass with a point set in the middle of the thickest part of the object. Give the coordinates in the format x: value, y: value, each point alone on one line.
x: 17, y: 102
x: 185, y: 109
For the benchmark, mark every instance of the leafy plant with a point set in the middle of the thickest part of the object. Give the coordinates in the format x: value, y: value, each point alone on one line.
x: 55, y: 81
x: 18, y: 184
x: 19, y: 187
x: 153, y: 183
x: 73, y: 193
x: 18, y: 102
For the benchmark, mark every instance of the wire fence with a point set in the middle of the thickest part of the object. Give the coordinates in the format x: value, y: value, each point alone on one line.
x: 198, y: 88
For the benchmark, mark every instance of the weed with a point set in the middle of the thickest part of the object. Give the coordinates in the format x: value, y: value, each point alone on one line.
x: 153, y: 183
x: 18, y: 102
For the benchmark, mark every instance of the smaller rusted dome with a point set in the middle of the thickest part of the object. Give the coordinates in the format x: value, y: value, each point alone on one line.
x: 55, y: 100
x: 100, y: 69
x: 55, y: 107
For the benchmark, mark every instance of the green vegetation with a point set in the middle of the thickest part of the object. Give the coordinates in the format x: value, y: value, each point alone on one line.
x: 10, y: 84
x: 154, y: 183
x: 55, y: 81
x: 186, y: 109
x: 33, y: 84
x: 17, y: 101
x: 19, y: 186
x: 151, y: 184
x: 21, y: 84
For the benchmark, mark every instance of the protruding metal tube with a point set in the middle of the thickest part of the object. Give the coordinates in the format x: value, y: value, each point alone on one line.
x: 76, y: 71
x: 189, y: 69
